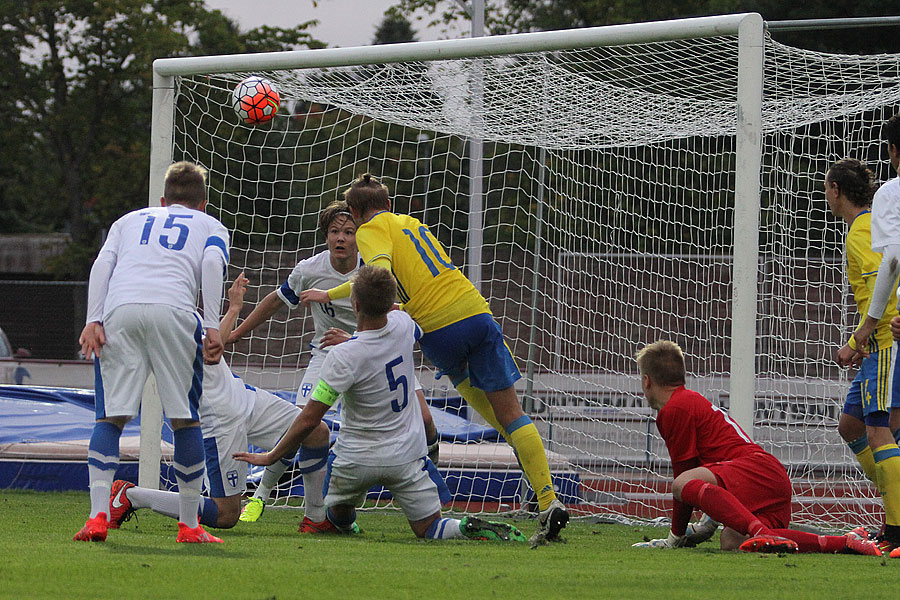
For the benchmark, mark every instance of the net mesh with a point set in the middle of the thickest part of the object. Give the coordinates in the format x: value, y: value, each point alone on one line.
x: 608, y: 218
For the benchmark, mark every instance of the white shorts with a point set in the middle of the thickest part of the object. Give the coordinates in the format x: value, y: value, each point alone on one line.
x: 270, y: 419
x: 410, y: 484
x: 144, y: 338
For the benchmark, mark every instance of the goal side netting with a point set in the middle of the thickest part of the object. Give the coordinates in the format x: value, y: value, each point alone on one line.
x: 607, y: 222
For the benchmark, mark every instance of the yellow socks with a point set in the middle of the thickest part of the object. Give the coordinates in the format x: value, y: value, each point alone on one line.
x: 478, y: 400
x: 523, y: 436
x: 887, y: 468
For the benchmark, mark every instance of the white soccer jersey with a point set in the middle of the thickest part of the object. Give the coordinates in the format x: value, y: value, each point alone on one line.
x: 886, y: 216
x: 317, y: 272
x: 381, y: 422
x: 226, y: 400
x: 157, y: 253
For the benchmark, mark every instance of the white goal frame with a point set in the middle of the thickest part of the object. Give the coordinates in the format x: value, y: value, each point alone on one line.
x: 750, y: 30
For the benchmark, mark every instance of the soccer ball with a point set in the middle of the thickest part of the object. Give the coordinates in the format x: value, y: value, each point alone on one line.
x: 255, y: 100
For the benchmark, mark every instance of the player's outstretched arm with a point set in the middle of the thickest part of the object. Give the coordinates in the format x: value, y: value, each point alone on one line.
x: 882, y: 292
x: 316, y: 295
x: 306, y: 421
x: 260, y: 459
x: 259, y: 315
x: 235, y: 303
x: 334, y: 336
x: 93, y: 336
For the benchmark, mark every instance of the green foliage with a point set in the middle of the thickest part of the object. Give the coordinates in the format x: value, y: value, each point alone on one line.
x: 76, y: 105
x: 394, y: 29
x: 268, y: 559
x: 518, y: 16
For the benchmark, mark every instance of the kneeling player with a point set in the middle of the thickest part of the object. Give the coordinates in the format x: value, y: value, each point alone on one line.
x: 233, y: 414
x: 333, y: 322
x: 382, y: 439
x: 720, y: 471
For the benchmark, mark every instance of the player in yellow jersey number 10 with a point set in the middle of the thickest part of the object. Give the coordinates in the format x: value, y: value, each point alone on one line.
x: 461, y: 337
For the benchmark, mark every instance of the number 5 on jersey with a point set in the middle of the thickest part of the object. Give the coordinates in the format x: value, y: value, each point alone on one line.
x: 396, y: 382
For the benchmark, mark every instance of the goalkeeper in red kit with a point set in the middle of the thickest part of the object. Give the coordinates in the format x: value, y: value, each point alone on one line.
x: 720, y: 471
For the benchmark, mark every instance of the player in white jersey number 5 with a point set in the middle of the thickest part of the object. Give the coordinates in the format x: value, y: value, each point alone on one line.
x: 332, y: 322
x: 382, y: 439
x: 142, y: 317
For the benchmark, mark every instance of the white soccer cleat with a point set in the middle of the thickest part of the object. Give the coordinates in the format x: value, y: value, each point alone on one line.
x: 700, y: 532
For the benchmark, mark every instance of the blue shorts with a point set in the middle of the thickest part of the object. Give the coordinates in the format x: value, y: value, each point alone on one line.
x: 472, y: 348
x: 873, y: 390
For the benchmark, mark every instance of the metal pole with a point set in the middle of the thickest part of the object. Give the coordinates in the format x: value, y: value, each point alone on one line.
x: 500, y: 45
x: 748, y: 160
x: 535, y: 279
x: 161, y: 142
x: 852, y: 23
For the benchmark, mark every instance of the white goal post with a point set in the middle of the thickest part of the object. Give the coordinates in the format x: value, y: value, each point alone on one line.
x: 639, y: 181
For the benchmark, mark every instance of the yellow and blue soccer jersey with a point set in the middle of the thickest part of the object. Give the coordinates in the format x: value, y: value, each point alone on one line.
x: 862, y: 266
x: 433, y: 291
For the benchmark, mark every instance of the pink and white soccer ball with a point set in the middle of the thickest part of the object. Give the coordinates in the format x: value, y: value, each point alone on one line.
x: 255, y: 100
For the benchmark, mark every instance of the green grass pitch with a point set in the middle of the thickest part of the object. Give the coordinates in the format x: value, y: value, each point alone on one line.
x: 268, y: 560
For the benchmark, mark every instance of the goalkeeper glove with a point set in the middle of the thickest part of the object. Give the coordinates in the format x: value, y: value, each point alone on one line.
x: 673, y: 541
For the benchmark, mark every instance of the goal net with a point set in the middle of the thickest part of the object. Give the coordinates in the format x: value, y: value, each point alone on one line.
x: 607, y: 222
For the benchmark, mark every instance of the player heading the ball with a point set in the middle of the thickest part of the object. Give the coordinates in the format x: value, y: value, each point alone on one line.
x: 461, y: 337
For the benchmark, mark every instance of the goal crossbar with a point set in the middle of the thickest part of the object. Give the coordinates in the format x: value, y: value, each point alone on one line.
x: 501, y: 45
x: 749, y: 29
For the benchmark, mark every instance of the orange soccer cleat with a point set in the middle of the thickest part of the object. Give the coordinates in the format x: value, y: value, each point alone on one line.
x: 94, y: 529
x: 769, y: 543
x: 196, y: 535
x: 120, y: 508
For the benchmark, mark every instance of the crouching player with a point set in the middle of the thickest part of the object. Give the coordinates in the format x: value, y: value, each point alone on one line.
x: 720, y: 471
x: 333, y: 322
x: 382, y: 439
x: 232, y: 414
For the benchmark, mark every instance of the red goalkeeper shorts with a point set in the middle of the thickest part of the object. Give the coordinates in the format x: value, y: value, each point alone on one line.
x: 760, y: 483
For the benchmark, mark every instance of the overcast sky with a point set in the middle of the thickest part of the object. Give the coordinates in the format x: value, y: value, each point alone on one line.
x: 341, y: 22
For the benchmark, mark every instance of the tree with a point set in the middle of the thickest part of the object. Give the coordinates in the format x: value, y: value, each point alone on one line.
x: 394, y: 29
x: 77, y: 79
x: 519, y: 16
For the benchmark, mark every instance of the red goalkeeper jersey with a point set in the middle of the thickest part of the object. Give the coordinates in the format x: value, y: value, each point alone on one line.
x: 693, y: 428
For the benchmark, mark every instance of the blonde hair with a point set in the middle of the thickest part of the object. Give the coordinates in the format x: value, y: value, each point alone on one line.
x: 185, y: 184
x: 375, y: 290
x: 367, y: 193
x: 663, y: 362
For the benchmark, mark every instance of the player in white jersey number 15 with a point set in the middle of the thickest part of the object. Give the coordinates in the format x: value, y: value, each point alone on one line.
x: 233, y: 414
x: 142, y: 317
x: 381, y: 440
